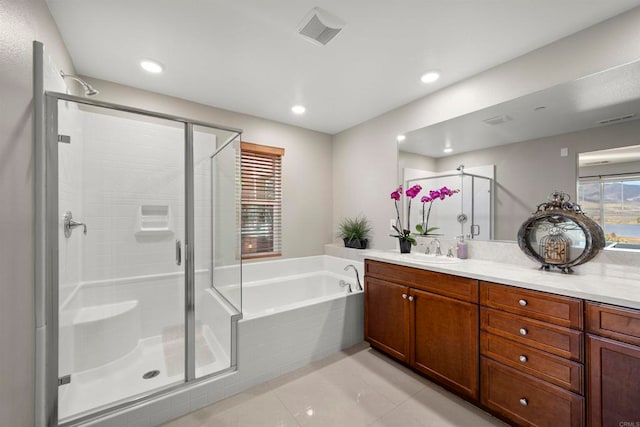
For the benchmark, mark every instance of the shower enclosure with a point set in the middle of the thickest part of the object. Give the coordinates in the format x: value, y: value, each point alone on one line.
x: 142, y: 263
x: 468, y: 213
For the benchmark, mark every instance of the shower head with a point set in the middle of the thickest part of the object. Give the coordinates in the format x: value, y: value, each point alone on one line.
x: 88, y: 89
x: 460, y: 168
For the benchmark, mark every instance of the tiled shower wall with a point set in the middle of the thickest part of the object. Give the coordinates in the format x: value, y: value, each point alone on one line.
x: 130, y: 161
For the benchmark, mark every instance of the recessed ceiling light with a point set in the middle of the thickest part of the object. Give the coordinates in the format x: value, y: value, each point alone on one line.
x: 400, y: 138
x: 151, y: 66
x: 298, y: 109
x: 430, y: 77
x: 448, y: 150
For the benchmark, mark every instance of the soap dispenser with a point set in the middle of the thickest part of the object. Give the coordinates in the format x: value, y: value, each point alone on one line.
x: 461, y: 248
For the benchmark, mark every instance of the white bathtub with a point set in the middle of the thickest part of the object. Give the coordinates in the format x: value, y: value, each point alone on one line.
x: 287, y: 293
x: 295, y: 312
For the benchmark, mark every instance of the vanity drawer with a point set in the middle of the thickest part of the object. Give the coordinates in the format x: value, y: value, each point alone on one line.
x: 556, y: 309
x: 554, y: 369
x: 622, y: 324
x: 457, y: 287
x: 527, y: 400
x: 544, y: 336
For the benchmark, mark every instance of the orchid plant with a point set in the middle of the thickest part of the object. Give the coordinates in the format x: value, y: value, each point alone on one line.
x: 434, y: 195
x: 404, y: 233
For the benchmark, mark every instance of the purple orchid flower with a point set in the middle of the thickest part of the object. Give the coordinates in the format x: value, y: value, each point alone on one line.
x: 413, y: 191
x: 434, y: 195
x: 396, y: 194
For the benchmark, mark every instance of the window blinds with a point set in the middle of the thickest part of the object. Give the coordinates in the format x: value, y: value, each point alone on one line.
x: 261, y: 211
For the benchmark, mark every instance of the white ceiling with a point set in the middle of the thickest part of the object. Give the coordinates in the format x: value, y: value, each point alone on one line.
x: 246, y: 55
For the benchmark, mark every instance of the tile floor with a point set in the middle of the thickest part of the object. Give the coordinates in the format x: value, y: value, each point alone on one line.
x: 356, y: 387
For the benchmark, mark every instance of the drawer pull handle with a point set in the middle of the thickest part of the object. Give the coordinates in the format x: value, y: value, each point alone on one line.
x: 523, y: 358
x: 522, y: 302
x: 411, y: 298
x: 524, y: 402
x: 404, y: 296
x: 523, y: 331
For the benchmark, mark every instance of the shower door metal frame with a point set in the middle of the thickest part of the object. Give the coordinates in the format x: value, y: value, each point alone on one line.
x: 47, y: 292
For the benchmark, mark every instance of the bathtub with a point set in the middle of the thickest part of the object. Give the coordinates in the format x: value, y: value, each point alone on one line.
x: 295, y: 312
x: 289, y: 292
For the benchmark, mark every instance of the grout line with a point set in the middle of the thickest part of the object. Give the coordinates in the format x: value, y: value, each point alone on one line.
x: 285, y: 407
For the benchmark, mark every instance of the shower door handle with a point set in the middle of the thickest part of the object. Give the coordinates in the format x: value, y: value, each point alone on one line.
x: 178, y: 252
x: 475, y: 230
x: 69, y: 224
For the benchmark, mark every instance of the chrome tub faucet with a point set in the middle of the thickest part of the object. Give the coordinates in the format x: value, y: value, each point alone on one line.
x: 358, y: 284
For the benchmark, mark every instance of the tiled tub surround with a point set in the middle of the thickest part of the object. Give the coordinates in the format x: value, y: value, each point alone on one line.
x: 271, y: 341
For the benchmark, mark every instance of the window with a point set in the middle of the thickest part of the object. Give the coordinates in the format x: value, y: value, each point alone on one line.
x: 614, y: 203
x: 261, y: 200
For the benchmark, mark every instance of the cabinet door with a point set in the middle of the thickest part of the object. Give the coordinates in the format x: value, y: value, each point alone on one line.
x: 387, y: 319
x: 613, y: 385
x: 445, y: 344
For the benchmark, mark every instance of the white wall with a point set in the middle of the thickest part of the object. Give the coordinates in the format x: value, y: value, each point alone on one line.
x: 408, y: 160
x: 306, y: 165
x: 22, y: 22
x: 365, y: 156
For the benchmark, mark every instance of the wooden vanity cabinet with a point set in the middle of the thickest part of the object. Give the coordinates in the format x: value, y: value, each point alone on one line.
x: 518, y: 353
x: 532, y: 370
x: 427, y: 320
x: 613, y: 361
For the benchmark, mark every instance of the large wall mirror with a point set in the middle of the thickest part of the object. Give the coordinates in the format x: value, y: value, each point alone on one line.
x: 530, y: 146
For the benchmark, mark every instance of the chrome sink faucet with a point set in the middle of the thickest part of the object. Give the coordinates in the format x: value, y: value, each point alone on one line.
x: 436, y: 242
x: 358, y: 285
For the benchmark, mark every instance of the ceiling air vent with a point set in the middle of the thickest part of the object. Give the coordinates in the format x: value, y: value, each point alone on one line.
x: 617, y: 119
x: 497, y: 120
x: 320, y: 26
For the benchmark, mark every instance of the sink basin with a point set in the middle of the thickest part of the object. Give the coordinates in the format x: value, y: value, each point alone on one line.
x: 432, y: 259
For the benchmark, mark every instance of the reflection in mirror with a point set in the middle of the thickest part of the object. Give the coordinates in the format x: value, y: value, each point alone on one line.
x: 532, y: 142
x: 466, y: 213
x: 609, y: 192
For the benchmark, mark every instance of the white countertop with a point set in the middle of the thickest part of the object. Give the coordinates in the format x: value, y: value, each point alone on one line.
x: 613, y: 284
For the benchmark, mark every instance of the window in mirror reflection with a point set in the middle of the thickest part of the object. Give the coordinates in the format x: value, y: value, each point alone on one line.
x: 614, y: 203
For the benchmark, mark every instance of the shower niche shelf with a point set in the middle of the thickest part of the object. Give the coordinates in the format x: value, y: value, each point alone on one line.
x: 154, y: 220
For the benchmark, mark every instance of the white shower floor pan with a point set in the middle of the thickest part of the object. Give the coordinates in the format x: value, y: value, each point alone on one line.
x: 122, y: 379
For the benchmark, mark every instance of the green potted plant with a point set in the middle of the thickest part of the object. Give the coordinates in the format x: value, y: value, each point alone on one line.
x: 354, y: 232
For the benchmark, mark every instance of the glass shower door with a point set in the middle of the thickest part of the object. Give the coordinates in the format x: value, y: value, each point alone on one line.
x: 217, y: 261
x: 121, y: 233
